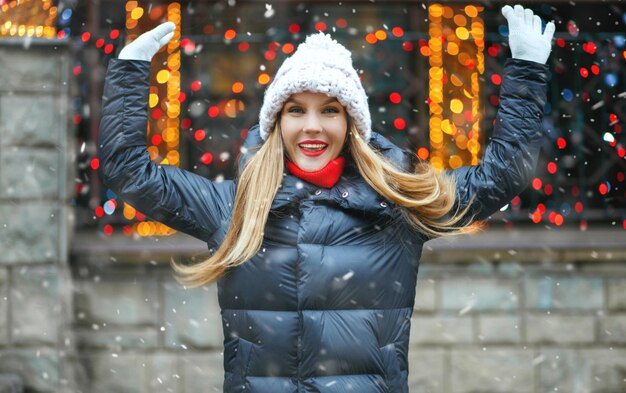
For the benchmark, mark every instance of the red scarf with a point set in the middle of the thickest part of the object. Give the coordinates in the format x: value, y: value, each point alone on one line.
x: 325, y: 177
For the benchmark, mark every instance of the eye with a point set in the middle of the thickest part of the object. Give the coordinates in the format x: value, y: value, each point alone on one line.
x: 295, y: 109
x: 331, y: 109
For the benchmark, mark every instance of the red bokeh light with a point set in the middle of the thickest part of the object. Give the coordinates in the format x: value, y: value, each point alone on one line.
x: 199, y: 135
x: 213, y: 111
x: 395, y: 97
x: 206, y: 158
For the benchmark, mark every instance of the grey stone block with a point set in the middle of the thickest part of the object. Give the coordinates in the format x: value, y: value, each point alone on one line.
x: 192, y: 317
x: 29, y: 232
x: 116, y: 372
x: 613, y: 329
x: 11, y: 383
x: 499, y: 329
x: 560, y: 329
x: 427, y: 370
x: 425, y: 295
x: 203, y: 373
x: 616, y: 289
x: 116, y: 301
x: 29, y: 173
x: 37, y: 304
x: 478, y: 294
x: 38, y: 368
x: 163, y: 374
x: 603, y: 370
x: 116, y: 337
x: 558, y: 370
x: 441, y: 330
x: 564, y: 293
x: 4, y: 307
x: 31, y: 119
x: 492, y: 370
x: 36, y: 70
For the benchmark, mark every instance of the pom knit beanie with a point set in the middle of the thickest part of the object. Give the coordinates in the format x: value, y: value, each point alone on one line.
x: 319, y: 65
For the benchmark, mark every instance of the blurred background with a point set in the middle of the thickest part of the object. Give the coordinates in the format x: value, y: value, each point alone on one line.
x: 535, y: 303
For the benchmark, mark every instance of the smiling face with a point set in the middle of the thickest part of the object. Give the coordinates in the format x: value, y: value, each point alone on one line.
x: 314, y: 128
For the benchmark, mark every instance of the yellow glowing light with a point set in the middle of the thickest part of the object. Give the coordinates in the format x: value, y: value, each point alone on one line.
x: 456, y: 105
x: 462, y: 33
x: 447, y: 127
x: 136, y: 13
x: 437, y: 162
x: 153, y: 100
x: 435, y: 10
x: 436, y: 137
x: 163, y: 76
x: 453, y: 48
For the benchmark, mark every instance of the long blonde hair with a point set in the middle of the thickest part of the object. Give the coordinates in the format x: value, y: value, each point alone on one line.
x: 425, y: 196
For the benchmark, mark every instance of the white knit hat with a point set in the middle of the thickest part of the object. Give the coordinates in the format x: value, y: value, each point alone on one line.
x: 319, y: 65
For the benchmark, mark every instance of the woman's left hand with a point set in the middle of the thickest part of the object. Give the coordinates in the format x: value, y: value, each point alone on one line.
x: 526, y: 40
x: 149, y: 43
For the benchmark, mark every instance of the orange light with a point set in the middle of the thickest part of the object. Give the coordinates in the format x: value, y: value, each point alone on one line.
x: 371, y: 39
x: 287, y: 48
x: 237, y: 87
x: 230, y: 34
x: 264, y: 79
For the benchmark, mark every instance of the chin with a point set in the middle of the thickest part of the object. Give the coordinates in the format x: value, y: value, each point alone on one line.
x: 312, y: 166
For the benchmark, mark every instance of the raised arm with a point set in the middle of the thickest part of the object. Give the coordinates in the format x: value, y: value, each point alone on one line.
x: 511, y: 157
x: 180, y: 199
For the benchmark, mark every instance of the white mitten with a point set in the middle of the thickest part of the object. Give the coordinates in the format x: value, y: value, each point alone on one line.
x: 149, y: 43
x: 526, y: 40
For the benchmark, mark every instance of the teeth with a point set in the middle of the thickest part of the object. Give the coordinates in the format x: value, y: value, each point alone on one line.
x: 312, y: 146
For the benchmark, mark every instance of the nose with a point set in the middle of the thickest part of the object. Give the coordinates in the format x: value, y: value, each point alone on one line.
x: 312, y: 123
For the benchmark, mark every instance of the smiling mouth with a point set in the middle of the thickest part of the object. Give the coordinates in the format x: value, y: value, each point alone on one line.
x: 312, y: 149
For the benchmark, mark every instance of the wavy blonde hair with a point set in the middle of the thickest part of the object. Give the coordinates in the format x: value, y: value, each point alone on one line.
x: 426, y: 196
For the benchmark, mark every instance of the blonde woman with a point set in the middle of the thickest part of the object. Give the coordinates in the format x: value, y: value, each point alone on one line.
x: 315, y: 246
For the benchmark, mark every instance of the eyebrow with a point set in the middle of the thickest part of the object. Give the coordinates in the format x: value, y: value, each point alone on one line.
x: 328, y: 101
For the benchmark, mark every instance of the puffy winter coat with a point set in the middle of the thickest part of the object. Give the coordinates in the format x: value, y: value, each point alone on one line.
x: 326, y: 304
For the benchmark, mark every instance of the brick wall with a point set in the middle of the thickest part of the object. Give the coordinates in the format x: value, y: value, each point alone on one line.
x: 36, y: 170
x: 485, y: 322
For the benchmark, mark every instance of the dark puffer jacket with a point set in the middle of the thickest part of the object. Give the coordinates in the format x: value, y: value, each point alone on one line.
x: 326, y: 304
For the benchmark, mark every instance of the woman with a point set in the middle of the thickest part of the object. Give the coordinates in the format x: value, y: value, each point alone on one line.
x: 315, y: 246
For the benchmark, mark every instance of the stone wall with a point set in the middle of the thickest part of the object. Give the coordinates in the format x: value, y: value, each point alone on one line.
x: 36, y: 173
x: 526, y: 321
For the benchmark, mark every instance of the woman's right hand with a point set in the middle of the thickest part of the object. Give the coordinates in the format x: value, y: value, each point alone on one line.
x: 149, y: 43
